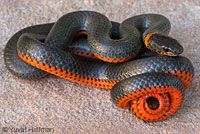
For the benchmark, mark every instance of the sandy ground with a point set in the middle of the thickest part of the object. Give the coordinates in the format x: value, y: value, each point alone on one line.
x: 68, y: 107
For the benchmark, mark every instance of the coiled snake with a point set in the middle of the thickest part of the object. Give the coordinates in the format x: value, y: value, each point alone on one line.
x: 152, y: 86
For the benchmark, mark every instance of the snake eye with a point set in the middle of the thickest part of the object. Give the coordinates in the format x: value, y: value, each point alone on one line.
x: 166, y: 50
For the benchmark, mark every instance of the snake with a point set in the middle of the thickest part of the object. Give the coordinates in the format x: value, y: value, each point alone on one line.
x: 87, y: 48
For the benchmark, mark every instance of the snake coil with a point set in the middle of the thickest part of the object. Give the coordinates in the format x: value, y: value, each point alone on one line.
x: 152, y: 84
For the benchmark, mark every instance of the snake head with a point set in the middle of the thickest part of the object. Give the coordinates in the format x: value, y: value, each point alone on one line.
x: 163, y: 44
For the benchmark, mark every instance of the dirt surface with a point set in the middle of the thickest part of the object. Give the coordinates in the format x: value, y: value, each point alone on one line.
x: 67, y: 107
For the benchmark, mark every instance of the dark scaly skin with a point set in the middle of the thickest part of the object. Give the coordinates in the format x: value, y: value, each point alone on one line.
x: 23, y: 70
x: 51, y: 57
x: 80, y: 44
x: 16, y: 65
x: 98, y: 27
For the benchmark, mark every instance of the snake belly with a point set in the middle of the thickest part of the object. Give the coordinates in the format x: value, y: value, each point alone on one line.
x: 133, y: 82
